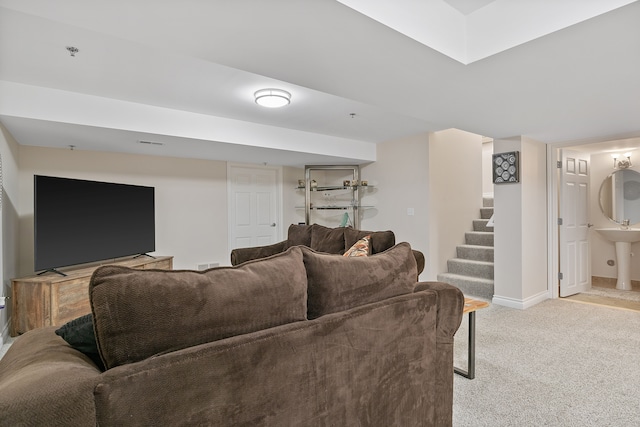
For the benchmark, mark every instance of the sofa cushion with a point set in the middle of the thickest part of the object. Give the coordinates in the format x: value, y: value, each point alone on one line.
x: 359, y: 248
x: 78, y: 333
x: 299, y: 235
x: 337, y: 283
x: 329, y: 240
x: 380, y: 240
x: 141, y: 313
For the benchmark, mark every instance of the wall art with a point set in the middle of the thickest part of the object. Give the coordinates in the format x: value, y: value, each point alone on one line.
x: 506, y: 167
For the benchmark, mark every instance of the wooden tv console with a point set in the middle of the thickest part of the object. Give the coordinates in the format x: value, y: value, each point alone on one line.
x: 52, y: 299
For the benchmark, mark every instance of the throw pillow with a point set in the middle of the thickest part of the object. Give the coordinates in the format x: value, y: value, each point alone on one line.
x: 141, y: 313
x: 78, y: 333
x: 380, y: 241
x: 359, y: 248
x: 337, y: 283
x: 329, y: 240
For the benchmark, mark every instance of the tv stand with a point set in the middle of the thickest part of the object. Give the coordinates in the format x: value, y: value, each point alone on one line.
x: 53, y: 270
x: 52, y: 300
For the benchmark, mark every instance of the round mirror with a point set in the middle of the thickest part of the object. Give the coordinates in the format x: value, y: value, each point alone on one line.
x: 620, y: 196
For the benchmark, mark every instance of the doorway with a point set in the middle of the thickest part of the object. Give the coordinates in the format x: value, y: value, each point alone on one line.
x: 602, y: 253
x: 254, y: 205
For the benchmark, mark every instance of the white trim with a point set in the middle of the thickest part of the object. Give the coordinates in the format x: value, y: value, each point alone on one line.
x: 553, y: 267
x: 520, y: 304
x: 279, y: 196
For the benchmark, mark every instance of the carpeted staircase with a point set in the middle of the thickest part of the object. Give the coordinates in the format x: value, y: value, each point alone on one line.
x: 472, y: 270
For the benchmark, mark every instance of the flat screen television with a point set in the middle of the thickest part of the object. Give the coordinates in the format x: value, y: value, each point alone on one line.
x: 78, y: 221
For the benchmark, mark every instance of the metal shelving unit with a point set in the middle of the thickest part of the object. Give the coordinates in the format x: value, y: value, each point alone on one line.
x: 324, y: 180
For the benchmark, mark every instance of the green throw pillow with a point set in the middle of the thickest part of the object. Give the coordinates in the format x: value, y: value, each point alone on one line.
x: 78, y: 333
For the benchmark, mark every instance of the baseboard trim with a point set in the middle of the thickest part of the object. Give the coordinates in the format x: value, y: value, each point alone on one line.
x: 518, y: 303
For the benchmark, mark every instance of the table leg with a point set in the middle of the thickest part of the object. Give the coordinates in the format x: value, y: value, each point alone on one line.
x: 471, y: 350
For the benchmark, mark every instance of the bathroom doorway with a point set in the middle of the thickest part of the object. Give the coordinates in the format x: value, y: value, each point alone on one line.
x: 602, y: 256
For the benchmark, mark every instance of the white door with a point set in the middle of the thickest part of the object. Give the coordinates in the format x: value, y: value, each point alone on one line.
x: 253, y: 206
x: 575, y: 259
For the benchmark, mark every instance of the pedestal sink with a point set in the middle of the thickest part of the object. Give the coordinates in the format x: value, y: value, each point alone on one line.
x: 623, y: 239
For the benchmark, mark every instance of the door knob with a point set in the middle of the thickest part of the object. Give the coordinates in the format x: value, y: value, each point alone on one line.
x: 273, y: 224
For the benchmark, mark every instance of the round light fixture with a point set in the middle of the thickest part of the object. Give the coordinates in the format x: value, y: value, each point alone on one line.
x: 272, y: 98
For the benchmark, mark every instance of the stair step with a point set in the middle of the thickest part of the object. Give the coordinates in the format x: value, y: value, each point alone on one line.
x: 481, y: 225
x: 470, y: 286
x: 475, y: 252
x: 469, y: 267
x: 486, y: 213
x: 479, y: 238
x: 487, y: 202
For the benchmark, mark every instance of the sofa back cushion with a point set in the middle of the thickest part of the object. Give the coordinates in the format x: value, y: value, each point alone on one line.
x: 380, y: 241
x: 337, y: 283
x: 140, y: 313
x: 328, y: 240
x: 299, y: 235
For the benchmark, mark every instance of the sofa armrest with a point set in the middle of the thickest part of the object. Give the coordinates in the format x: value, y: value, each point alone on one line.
x: 43, y: 381
x: 419, y: 256
x: 450, y: 307
x: 449, y: 317
x: 240, y: 255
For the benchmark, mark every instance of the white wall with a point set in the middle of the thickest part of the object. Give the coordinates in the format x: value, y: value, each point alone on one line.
x: 439, y: 177
x: 399, y: 180
x: 191, y: 198
x: 534, y: 219
x: 9, y: 224
x: 520, y: 240
x: 602, y: 249
x: 292, y: 199
x: 455, y: 187
x: 487, y: 167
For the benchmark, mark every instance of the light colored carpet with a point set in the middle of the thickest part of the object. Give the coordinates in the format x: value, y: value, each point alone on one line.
x: 555, y: 364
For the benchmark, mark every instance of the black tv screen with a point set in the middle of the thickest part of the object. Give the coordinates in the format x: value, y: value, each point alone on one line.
x: 78, y: 221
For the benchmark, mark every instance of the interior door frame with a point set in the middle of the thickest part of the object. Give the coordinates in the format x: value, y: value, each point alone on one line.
x: 553, y: 191
x: 279, y: 198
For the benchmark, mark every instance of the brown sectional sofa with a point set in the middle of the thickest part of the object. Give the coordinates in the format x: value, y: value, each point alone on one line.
x: 323, y: 239
x: 300, y: 338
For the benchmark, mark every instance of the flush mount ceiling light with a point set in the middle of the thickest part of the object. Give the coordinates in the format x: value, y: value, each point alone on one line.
x: 272, y: 98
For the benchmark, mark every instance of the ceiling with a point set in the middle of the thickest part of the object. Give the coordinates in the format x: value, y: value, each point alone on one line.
x: 182, y: 76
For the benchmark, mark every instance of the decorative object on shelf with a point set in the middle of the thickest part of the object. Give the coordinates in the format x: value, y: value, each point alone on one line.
x: 301, y: 183
x: 506, y: 167
x: 364, y: 183
x: 272, y: 98
x: 346, y: 183
x: 621, y: 163
x: 345, y: 220
x: 313, y: 184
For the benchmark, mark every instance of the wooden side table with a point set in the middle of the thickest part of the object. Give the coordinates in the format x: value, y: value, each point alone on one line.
x: 471, y: 306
